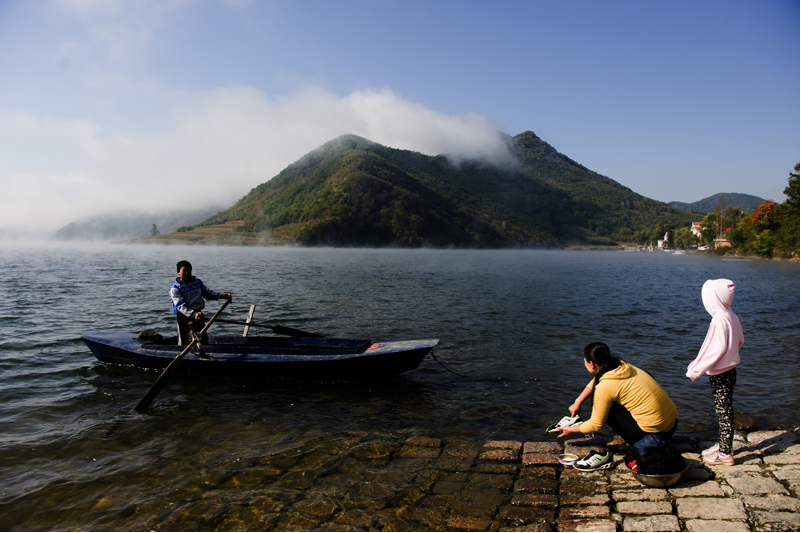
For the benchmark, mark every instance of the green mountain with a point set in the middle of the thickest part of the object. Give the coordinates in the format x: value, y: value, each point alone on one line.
x: 746, y: 202
x: 354, y: 192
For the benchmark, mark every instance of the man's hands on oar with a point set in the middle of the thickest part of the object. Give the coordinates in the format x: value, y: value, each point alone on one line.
x: 145, y: 402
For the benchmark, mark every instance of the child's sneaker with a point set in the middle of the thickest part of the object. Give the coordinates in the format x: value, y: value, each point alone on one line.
x: 567, y: 421
x: 711, y: 452
x: 595, y: 461
x: 719, y: 459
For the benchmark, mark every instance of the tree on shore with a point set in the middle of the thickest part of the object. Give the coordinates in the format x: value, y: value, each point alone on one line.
x: 770, y: 230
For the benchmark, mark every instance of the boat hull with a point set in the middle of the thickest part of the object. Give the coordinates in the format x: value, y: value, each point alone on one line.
x: 296, y: 357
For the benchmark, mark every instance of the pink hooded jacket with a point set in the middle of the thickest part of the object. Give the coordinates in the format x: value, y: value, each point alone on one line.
x: 721, y: 349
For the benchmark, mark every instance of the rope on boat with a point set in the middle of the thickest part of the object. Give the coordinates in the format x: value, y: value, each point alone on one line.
x: 445, y: 367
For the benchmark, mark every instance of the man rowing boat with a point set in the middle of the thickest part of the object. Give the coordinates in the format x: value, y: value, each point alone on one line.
x: 187, y: 294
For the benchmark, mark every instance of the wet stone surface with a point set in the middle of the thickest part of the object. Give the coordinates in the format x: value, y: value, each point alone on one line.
x: 424, y: 484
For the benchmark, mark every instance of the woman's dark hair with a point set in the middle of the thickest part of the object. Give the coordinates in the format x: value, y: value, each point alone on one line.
x: 598, y: 353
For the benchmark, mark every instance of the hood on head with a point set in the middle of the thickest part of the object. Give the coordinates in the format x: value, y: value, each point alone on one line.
x: 717, y: 295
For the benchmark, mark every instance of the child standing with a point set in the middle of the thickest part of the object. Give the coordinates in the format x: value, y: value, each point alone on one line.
x: 718, y: 357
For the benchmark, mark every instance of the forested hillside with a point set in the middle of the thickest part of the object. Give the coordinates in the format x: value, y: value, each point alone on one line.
x: 745, y: 202
x: 353, y: 192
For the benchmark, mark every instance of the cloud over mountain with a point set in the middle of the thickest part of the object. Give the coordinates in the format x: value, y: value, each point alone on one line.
x: 209, y: 147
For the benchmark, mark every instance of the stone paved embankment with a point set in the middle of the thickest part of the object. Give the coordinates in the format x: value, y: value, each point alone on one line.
x: 520, y: 486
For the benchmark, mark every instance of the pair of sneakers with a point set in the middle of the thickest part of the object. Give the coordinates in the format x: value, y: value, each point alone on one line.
x: 712, y: 456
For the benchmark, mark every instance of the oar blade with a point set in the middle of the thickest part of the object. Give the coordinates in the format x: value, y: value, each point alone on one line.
x: 154, y: 390
x: 117, y: 424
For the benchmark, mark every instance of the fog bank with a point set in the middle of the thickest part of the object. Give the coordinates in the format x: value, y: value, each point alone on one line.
x: 208, y: 148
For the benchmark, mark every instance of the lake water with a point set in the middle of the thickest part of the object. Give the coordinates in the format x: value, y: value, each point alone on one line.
x: 511, y: 325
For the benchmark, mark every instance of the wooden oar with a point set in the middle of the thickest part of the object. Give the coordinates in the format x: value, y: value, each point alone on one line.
x: 145, y: 402
x: 278, y: 329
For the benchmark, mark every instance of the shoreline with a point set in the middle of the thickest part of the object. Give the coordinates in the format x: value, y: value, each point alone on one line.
x: 422, y: 483
x: 520, y: 486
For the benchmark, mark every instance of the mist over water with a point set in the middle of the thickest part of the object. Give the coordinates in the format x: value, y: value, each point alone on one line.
x: 511, y: 324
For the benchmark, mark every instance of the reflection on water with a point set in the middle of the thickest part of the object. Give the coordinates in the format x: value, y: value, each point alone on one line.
x: 233, y: 453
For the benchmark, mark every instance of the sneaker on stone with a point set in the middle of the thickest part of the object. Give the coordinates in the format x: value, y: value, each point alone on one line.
x: 718, y: 459
x: 711, y: 452
x: 566, y: 421
x: 594, y: 461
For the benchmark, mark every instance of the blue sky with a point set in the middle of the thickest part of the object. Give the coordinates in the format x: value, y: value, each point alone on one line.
x: 162, y: 104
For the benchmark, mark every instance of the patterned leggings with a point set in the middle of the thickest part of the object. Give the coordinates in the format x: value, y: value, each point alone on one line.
x: 723, y: 392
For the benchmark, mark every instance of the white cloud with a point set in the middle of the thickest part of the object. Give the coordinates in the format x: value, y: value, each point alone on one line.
x: 211, y: 148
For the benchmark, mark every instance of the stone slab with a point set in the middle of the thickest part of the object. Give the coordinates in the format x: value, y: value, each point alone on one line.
x: 504, y: 444
x: 708, y: 488
x: 499, y: 454
x: 716, y: 525
x: 644, y: 508
x: 756, y: 485
x: 778, y: 521
x: 542, y: 447
x: 711, y: 508
x: 593, y: 511
x: 588, y: 525
x: 772, y: 502
x: 651, y: 523
x: 642, y: 495
x: 535, y: 458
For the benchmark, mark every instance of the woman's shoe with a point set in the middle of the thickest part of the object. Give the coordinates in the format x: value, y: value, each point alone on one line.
x: 719, y: 459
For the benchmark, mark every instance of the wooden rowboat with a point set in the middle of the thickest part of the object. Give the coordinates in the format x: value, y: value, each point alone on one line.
x: 298, y: 357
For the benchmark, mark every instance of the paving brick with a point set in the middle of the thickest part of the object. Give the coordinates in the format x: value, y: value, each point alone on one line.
x: 716, y: 525
x: 469, y: 523
x: 642, y: 495
x: 495, y: 481
x: 574, y: 500
x: 785, y: 472
x: 592, y: 511
x: 710, y: 508
x: 785, y: 458
x: 419, y: 451
x: 756, y: 485
x: 540, y: 459
x: 550, y: 501
x: 772, y: 441
x: 499, y: 455
x: 772, y: 502
x: 536, y: 485
x: 427, y: 442
x: 505, y: 445
x: 588, y: 525
x: 651, y: 523
x: 644, y: 508
x: 542, y: 447
x: 707, y: 488
x: 695, y: 474
x: 540, y: 471
x: 497, y: 468
x: 774, y: 521
x: 524, y: 515
x: 464, y: 452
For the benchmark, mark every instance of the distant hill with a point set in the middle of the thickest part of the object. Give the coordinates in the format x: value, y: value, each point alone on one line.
x: 746, y: 202
x: 131, y: 225
x: 354, y: 192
